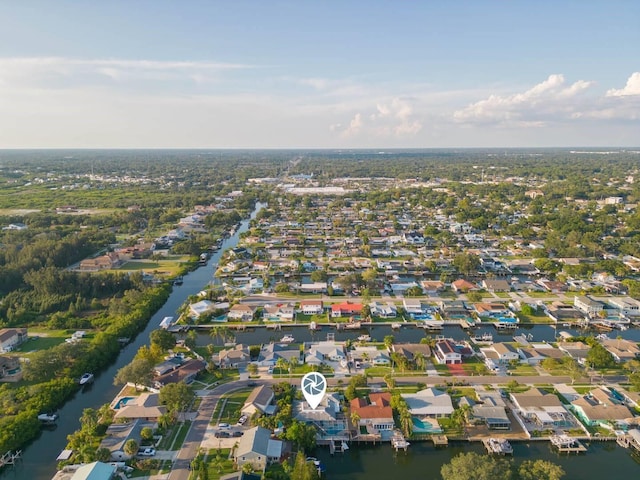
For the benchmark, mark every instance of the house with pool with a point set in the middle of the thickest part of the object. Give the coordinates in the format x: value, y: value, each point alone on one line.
x: 601, y: 407
x: 145, y: 406
x: 328, y: 418
x: 426, y: 406
x: 374, y: 415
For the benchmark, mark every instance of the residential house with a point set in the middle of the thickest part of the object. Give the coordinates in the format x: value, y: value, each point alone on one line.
x: 447, y: 353
x: 499, y: 354
x: 538, y: 352
x: 411, y: 350
x: 383, y: 310
x: 145, y: 406
x: 576, y: 350
x: 622, y: 350
x: 429, y: 403
x: 256, y: 447
x: 552, y: 286
x: 412, y: 306
x: 463, y: 286
x: 241, y: 312
x: 312, y: 307
x: 117, y: 435
x: 600, y: 407
x: 322, y: 352
x: 95, y: 471
x: 279, y: 313
x: 588, y: 305
x: 187, y: 372
x: 202, y: 307
x: 629, y: 307
x: 345, y: 309
x: 11, y: 338
x: 432, y: 287
x: 363, y: 354
x: 261, y: 400
x: 492, y: 309
x: 269, y: 354
x: 327, y: 417
x: 313, y: 287
x: 236, y: 357
x: 544, y: 409
x: 103, y: 262
x: 375, y: 413
x: 496, y: 285
x: 491, y: 411
x: 560, y: 311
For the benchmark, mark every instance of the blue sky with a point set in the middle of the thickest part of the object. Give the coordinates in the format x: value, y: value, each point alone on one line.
x: 333, y: 74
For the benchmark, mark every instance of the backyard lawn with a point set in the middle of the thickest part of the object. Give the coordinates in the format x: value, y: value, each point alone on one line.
x: 229, y: 407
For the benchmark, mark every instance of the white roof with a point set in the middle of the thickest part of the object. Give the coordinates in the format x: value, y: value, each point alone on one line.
x: 429, y: 402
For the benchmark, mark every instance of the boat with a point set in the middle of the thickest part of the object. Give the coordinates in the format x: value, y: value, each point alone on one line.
x: 86, y: 378
x: 287, y: 339
x: 313, y: 326
x: 48, y: 418
x: 166, y: 322
x: 352, y: 326
x: 364, y: 338
x: 178, y: 280
x: 396, y: 325
x: 484, y: 338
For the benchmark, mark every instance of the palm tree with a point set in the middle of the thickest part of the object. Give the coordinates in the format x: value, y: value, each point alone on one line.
x: 355, y: 419
x: 420, y: 361
x: 406, y: 422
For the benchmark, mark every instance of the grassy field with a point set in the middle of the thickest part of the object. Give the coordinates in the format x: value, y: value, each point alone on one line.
x: 44, y: 339
x: 169, y: 266
x: 228, y: 409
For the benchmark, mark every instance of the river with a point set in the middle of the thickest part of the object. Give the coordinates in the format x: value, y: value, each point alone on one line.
x: 39, y: 458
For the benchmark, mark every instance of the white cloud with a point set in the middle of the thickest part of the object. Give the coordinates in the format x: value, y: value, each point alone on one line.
x: 533, y: 107
x: 631, y: 88
x: 394, y: 118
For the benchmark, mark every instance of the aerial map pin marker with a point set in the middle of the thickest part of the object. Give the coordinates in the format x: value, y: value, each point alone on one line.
x: 314, y: 386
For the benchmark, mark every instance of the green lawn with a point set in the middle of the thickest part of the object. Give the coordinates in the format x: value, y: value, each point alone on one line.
x: 170, y: 266
x: 218, y: 464
x: 522, y: 369
x: 231, y: 405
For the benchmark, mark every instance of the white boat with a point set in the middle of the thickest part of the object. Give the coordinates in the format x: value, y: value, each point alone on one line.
x: 287, y: 339
x: 396, y: 325
x: 314, y: 326
x: 48, y: 417
x: 166, y: 322
x: 364, y: 338
x: 86, y: 378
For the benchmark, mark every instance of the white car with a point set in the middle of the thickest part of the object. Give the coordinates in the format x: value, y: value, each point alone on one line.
x: 146, y: 452
x: 224, y: 425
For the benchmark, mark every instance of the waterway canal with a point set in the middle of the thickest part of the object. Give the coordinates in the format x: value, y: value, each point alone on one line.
x: 39, y: 459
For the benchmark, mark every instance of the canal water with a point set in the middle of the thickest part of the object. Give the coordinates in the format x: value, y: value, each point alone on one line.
x: 39, y: 458
x: 422, y: 461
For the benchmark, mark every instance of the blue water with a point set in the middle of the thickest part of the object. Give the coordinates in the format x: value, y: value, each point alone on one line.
x: 422, y: 427
x: 122, y: 402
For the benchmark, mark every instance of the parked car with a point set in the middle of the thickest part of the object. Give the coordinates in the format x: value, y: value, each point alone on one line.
x: 238, y: 433
x: 270, y: 370
x: 252, y: 384
x: 222, y: 434
x: 224, y: 425
x: 243, y: 419
x: 147, y: 452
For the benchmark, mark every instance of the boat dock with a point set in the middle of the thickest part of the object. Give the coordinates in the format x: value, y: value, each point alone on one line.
x: 440, y: 440
x: 631, y: 439
x: 567, y: 444
x: 497, y: 446
x: 398, y: 441
x: 10, y: 458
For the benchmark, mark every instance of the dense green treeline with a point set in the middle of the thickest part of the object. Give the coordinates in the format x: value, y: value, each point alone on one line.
x: 51, y: 372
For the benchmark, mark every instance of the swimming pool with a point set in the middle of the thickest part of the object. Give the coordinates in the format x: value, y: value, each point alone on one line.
x: 122, y: 402
x: 428, y: 426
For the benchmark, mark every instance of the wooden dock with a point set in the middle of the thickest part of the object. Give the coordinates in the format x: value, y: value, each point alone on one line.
x: 567, y: 444
x: 497, y: 446
x: 440, y: 440
x: 10, y: 458
x: 398, y: 441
